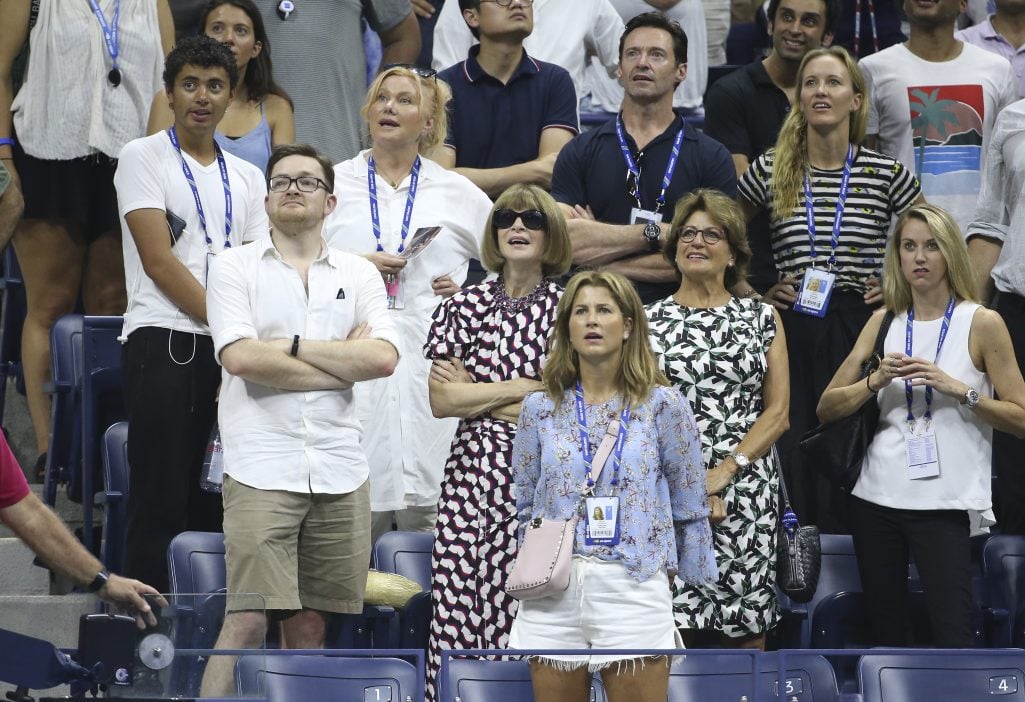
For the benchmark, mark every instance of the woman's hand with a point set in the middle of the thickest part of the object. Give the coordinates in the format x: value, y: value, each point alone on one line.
x: 445, y: 286
x: 450, y: 370
x: 719, y: 477
x: 890, y: 366
x: 924, y: 373
x: 873, y: 291
x: 783, y: 294
x: 718, y: 509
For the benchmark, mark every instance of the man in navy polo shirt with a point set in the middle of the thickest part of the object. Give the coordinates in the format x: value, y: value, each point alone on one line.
x: 511, y: 114
x: 618, y: 184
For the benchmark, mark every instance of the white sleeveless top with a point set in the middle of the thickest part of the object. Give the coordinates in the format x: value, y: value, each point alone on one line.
x: 67, y: 108
x: 964, y: 442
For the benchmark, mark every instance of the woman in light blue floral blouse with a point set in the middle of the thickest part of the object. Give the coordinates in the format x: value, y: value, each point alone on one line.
x: 654, y: 513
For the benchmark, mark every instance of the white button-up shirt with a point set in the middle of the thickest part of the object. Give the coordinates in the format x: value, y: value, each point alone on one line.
x: 405, y: 443
x: 287, y: 440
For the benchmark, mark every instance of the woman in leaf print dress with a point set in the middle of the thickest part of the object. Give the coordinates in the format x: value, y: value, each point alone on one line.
x: 728, y: 356
x: 830, y: 203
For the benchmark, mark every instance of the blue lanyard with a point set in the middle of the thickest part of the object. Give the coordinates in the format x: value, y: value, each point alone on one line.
x: 809, y: 209
x: 110, y: 31
x: 173, y: 136
x: 631, y: 165
x: 908, y: 333
x: 407, y: 215
x: 585, y: 443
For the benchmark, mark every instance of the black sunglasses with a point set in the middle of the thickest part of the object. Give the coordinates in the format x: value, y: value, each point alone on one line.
x: 532, y: 219
x: 419, y: 70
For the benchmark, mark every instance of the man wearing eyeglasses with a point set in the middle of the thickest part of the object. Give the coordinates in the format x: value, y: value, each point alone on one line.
x: 182, y: 202
x: 618, y: 184
x: 511, y: 114
x: 295, y: 324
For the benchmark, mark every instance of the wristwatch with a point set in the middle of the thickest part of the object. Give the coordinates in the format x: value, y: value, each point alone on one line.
x: 741, y: 460
x: 100, y: 580
x: 652, y: 232
x: 971, y: 398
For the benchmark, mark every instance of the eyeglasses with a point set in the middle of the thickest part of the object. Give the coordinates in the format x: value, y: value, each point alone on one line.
x: 507, y: 3
x: 306, y: 184
x: 532, y: 219
x: 419, y: 70
x: 711, y: 235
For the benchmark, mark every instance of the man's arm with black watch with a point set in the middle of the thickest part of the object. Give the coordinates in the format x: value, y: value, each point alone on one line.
x: 43, y: 532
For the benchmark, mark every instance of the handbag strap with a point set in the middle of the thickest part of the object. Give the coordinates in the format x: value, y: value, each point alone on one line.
x: 608, y: 442
x: 877, y: 348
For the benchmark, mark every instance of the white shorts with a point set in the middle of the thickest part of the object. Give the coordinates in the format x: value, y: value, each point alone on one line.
x: 604, y: 607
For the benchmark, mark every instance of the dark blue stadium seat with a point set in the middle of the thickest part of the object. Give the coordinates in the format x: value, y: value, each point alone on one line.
x: 12, y: 318
x: 309, y: 678
x: 475, y: 680
x: 807, y: 678
x: 1003, y: 566
x: 839, y: 574
x: 961, y: 677
x: 115, y: 495
x: 408, y: 554
x: 64, y: 454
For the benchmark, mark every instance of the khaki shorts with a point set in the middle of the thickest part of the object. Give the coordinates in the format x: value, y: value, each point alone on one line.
x: 297, y: 550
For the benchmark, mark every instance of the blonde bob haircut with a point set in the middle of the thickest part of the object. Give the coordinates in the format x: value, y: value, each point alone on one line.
x: 726, y: 213
x: 434, y: 96
x: 791, y: 155
x: 640, y: 371
x: 557, y: 253
x: 896, y: 289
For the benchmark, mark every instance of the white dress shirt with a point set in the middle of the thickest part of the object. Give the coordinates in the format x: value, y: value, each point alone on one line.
x: 405, y: 443
x: 292, y: 440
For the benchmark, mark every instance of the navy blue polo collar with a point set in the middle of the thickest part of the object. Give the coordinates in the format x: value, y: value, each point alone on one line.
x: 609, y: 130
x: 473, y: 71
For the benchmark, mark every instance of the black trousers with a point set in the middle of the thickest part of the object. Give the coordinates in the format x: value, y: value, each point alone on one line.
x: 171, y: 381
x: 938, y: 539
x: 1009, y: 451
x: 816, y: 348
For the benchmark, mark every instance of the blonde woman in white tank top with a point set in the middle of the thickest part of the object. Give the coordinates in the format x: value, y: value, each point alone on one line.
x: 928, y: 465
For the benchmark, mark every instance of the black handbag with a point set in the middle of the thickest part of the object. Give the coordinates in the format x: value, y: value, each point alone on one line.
x: 836, y: 449
x: 798, y: 552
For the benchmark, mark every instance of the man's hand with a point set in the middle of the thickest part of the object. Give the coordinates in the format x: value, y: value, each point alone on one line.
x: 387, y: 264
x: 445, y: 286
x: 581, y: 212
x: 127, y: 595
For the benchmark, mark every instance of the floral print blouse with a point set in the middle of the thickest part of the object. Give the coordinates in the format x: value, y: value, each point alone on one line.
x: 663, y: 503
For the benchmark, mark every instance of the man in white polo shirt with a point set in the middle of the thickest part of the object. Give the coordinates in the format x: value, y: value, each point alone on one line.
x: 295, y: 325
x: 182, y: 201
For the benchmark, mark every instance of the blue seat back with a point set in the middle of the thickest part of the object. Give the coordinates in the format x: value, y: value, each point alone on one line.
x: 65, y: 449
x: 807, y: 678
x: 981, y: 677
x: 300, y: 677
x: 839, y: 574
x: 1003, y: 565
x: 406, y: 553
x: 476, y: 680
x: 12, y: 319
x: 115, y: 495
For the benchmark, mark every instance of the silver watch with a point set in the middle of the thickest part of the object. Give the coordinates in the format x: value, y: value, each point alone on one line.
x: 971, y: 398
x: 652, y: 232
x: 741, y: 460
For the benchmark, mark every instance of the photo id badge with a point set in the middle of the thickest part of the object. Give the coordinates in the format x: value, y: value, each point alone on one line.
x: 816, y: 288
x: 639, y: 216
x: 601, y: 521
x: 923, y: 458
x: 393, y: 289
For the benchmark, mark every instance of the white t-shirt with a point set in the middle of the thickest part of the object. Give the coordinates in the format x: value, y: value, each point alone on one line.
x: 292, y: 440
x: 565, y: 33
x: 405, y: 442
x: 936, y: 117
x: 149, y: 176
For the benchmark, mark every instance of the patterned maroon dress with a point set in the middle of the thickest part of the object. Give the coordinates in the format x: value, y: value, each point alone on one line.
x: 497, y: 338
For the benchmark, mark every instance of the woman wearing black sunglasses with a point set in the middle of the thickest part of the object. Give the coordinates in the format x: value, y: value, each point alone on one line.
x: 728, y: 356
x: 487, y: 344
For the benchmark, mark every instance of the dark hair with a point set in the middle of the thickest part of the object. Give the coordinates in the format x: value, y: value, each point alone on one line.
x: 832, y: 13
x: 259, y: 78
x: 286, y: 150
x: 470, y: 5
x: 656, y: 20
x: 199, y: 51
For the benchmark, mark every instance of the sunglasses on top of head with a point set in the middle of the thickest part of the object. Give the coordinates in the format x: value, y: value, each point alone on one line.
x: 532, y: 219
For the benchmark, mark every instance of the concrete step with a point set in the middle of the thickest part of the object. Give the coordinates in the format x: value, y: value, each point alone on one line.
x: 70, y: 512
x: 18, y: 575
x: 47, y: 617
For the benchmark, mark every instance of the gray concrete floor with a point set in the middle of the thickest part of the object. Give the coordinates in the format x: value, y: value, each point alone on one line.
x: 16, y: 421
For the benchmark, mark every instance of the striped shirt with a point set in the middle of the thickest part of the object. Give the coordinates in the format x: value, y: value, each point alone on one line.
x: 880, y: 188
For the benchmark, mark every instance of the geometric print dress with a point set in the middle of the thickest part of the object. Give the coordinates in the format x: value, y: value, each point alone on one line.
x: 497, y: 338
x: 716, y: 357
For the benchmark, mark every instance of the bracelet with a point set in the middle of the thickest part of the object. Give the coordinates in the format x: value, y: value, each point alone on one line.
x: 868, y: 384
x: 6, y: 141
x: 100, y: 580
x: 295, y: 346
